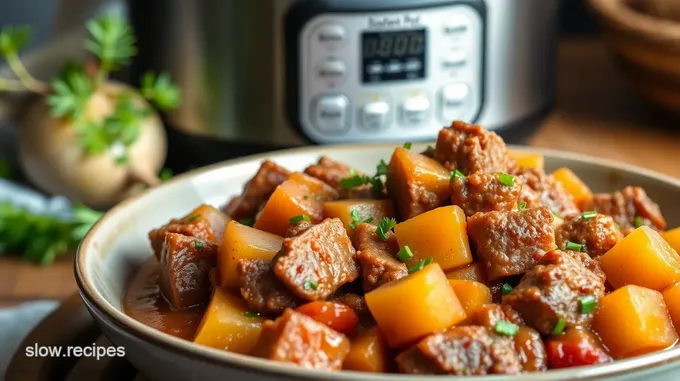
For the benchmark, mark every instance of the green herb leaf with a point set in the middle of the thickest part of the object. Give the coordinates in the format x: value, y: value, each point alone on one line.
x: 250, y: 314
x: 559, y: 326
x: 386, y: 224
x: 193, y: 218
x: 507, y: 180
x: 587, y: 304
x: 456, y: 174
x: 198, y: 245
x: 405, y: 254
x: 506, y: 289
x: 381, y: 168
x: 638, y: 221
x: 420, y: 265
x: 573, y: 246
x: 300, y: 218
x: 319, y: 198
x: 70, y: 94
x: 589, y: 214
x: 522, y: 205
x: 354, y: 181
x: 356, y: 219
x: 506, y: 328
x: 408, y: 145
x: 166, y: 174
x: 247, y: 221
x: 310, y: 284
x: 111, y: 40
x: 160, y: 91
x: 13, y: 39
x: 429, y: 151
x: 305, y: 197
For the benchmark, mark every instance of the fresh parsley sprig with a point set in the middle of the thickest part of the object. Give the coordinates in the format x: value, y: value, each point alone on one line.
x: 70, y: 94
x: 42, y: 238
x: 159, y: 90
x: 12, y: 39
x: 112, y: 41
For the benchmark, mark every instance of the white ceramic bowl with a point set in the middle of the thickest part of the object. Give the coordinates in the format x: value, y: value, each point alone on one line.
x: 118, y: 244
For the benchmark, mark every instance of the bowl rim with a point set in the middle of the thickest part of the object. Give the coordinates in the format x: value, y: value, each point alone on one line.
x: 643, y: 25
x: 251, y: 364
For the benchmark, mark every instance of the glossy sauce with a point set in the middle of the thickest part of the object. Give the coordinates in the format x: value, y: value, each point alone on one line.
x: 143, y: 302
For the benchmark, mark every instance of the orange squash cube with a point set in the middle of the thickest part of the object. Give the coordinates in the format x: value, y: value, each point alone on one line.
x: 368, y: 353
x: 573, y: 185
x: 673, y: 238
x: 473, y: 271
x: 471, y: 294
x: 366, y: 208
x: 671, y: 295
x: 642, y: 258
x: 634, y: 320
x: 440, y: 234
x: 528, y: 160
x: 412, y: 307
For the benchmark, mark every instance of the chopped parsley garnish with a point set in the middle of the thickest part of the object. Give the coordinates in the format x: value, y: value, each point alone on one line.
x: 506, y: 328
x: 250, y: 314
x: 247, y: 221
x: 638, y: 221
x: 356, y: 219
x: 386, y: 224
x: 198, y: 245
x: 420, y: 265
x: 521, y: 206
x: 589, y: 214
x: 300, y: 218
x: 319, y: 198
x: 407, y: 145
x: 506, y: 289
x: 305, y: 197
x: 193, y: 218
x: 507, y: 180
x: 456, y: 174
x: 405, y: 254
x: 559, y: 326
x: 310, y: 284
x: 429, y: 151
x: 354, y: 181
x: 573, y: 246
x: 381, y: 168
x: 587, y: 304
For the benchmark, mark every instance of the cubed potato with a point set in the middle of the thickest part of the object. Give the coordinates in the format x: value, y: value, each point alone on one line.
x: 471, y: 294
x: 528, y: 160
x: 243, y: 242
x: 573, y: 185
x: 634, y: 320
x: 300, y: 194
x: 368, y: 353
x: 440, y: 234
x: 410, y: 308
x: 366, y: 208
x: 473, y: 271
x: 642, y: 258
x: 228, y: 325
x: 673, y: 238
x: 671, y: 295
x: 417, y: 182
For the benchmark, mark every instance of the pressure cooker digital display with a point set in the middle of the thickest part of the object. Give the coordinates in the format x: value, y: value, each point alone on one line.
x: 393, y: 56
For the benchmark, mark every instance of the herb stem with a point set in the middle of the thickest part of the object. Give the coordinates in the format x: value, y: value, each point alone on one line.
x: 11, y: 85
x: 24, y: 76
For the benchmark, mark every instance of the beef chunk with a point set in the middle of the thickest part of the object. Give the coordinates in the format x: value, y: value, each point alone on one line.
x: 377, y: 257
x: 331, y: 172
x: 552, y: 290
x: 356, y: 302
x: 510, y: 243
x: 185, y: 264
x: 597, y: 234
x: 470, y: 148
x: 587, y: 262
x: 299, y: 228
x: 315, y: 263
x: 205, y: 222
x: 469, y: 350
x: 298, y: 339
x: 490, y: 314
x: 483, y: 192
x: 260, y: 288
x: 541, y: 189
x: 257, y: 191
x: 624, y: 206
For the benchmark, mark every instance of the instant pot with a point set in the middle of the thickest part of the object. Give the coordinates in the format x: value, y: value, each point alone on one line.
x: 268, y: 74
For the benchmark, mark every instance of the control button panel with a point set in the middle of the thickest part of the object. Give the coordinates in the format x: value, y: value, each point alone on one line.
x: 397, y: 75
x: 331, y: 113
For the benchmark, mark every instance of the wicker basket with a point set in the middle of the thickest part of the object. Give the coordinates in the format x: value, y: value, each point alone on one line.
x: 646, y: 45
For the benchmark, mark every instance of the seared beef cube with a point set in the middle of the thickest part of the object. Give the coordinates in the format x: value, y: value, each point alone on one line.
x: 257, y: 191
x: 331, y: 172
x: 471, y: 148
x: 377, y: 257
x: 356, y: 302
x: 185, y: 264
x: 469, y: 350
x: 541, y: 189
x: 205, y: 222
x: 587, y: 262
x: 260, y: 288
x: 298, y: 339
x: 510, y: 243
x: 597, y: 234
x: 490, y: 314
x: 630, y: 208
x: 552, y: 290
x: 298, y: 228
x: 318, y: 261
x: 416, y: 182
x: 484, y: 192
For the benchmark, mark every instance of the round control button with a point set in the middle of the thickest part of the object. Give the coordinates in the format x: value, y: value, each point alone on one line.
x: 456, y: 23
x: 375, y: 115
x: 330, y: 113
x: 453, y: 101
x: 333, y: 71
x: 455, y: 58
x: 332, y: 36
x: 415, y: 110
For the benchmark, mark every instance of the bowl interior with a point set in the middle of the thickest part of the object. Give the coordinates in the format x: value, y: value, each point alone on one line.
x: 118, y: 244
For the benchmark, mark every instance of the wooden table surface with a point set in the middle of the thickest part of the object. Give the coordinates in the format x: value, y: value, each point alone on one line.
x: 596, y: 113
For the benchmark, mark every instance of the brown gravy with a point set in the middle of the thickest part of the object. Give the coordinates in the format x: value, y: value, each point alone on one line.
x: 143, y: 302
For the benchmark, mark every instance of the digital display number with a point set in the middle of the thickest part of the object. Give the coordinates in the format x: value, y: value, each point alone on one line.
x: 391, y: 56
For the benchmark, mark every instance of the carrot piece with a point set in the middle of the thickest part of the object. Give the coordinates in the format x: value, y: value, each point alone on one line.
x: 335, y: 315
